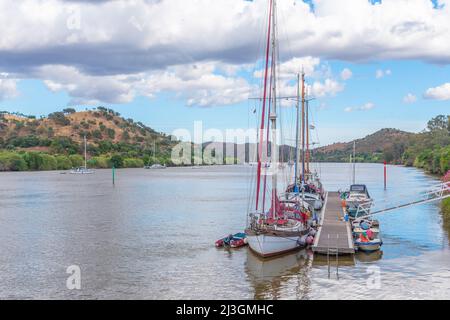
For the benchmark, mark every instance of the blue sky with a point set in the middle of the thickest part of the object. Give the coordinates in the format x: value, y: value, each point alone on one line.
x: 209, y: 78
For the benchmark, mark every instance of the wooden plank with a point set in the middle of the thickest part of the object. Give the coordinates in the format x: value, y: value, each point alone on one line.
x: 334, y: 233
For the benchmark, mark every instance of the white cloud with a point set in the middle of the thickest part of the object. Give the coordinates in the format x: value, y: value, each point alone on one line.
x: 439, y: 93
x: 207, y: 89
x: 289, y: 69
x: 346, y: 74
x: 322, y: 82
x: 348, y: 109
x: 197, y: 84
x: 8, y: 87
x: 382, y: 73
x: 146, y: 37
x: 409, y: 98
x: 364, y: 107
x: 328, y: 87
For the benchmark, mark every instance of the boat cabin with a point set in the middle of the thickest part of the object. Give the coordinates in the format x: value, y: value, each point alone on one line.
x: 359, y: 189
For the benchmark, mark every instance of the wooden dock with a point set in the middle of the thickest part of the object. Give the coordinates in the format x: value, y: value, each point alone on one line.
x: 334, y: 235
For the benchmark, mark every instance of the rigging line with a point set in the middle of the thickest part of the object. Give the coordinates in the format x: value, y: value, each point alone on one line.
x: 258, y: 178
x: 267, y: 138
x: 250, y: 153
x: 285, y: 33
x: 316, y: 131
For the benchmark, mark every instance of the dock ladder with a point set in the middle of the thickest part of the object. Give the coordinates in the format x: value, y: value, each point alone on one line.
x: 333, y: 252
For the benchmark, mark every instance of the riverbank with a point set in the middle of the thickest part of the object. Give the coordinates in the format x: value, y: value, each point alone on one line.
x: 446, y: 209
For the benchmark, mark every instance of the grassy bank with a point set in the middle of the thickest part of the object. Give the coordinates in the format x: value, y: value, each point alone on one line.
x: 446, y: 208
x: 446, y: 203
x: 36, y: 161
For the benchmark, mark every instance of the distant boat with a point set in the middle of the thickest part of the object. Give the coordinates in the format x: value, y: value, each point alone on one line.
x: 83, y: 170
x: 156, y: 166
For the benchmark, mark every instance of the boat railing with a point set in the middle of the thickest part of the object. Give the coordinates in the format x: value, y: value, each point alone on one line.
x: 430, y: 194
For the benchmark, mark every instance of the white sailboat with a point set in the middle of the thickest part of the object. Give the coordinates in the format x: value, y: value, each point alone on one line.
x: 83, y: 170
x: 286, y: 225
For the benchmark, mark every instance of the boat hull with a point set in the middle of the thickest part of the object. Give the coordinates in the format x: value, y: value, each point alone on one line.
x: 368, y: 246
x: 272, y: 244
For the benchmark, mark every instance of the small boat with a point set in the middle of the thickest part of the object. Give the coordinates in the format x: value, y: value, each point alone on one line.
x: 367, y: 240
x: 358, y: 200
x: 84, y: 169
x: 369, y: 246
x: 371, y: 227
x: 234, y: 241
x: 81, y: 170
x: 156, y: 166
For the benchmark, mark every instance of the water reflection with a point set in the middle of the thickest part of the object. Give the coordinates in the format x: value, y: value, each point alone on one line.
x: 271, y: 277
x: 369, y: 256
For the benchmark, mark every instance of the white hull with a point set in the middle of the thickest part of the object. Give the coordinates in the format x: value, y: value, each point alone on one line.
x: 369, y: 246
x: 269, y: 245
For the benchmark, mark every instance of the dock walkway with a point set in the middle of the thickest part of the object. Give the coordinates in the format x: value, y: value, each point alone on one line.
x: 334, y: 233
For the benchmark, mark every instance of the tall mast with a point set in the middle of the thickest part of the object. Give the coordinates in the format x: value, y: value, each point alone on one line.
x: 303, y: 128
x: 260, y: 145
x: 307, y: 135
x: 297, y: 135
x: 85, y: 153
x: 273, y: 113
x: 354, y: 159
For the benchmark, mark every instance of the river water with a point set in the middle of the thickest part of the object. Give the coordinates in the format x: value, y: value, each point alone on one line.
x: 151, y: 236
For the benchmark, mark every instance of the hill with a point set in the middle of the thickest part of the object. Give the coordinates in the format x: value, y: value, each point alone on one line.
x: 385, y: 144
x: 109, y: 136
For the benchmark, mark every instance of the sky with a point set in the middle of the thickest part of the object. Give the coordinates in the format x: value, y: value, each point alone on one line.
x: 168, y: 63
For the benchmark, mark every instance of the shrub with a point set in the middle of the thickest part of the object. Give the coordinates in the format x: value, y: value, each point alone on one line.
x: 97, y: 134
x: 76, y: 160
x: 33, y: 159
x: 99, y: 162
x: 133, y: 163
x: 63, y: 163
x: 59, y: 118
x: 69, y: 110
x: 116, y: 161
x: 48, y: 162
x: 64, y: 145
x: 10, y: 161
x: 111, y: 133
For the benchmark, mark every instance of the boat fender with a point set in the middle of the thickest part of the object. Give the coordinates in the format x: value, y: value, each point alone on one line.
x: 302, y: 240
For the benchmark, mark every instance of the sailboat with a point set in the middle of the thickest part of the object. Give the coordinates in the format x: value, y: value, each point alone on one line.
x: 155, y: 165
x: 306, y: 182
x: 83, y: 170
x: 286, y: 225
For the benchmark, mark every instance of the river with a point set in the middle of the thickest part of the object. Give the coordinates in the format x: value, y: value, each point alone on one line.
x: 151, y: 236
